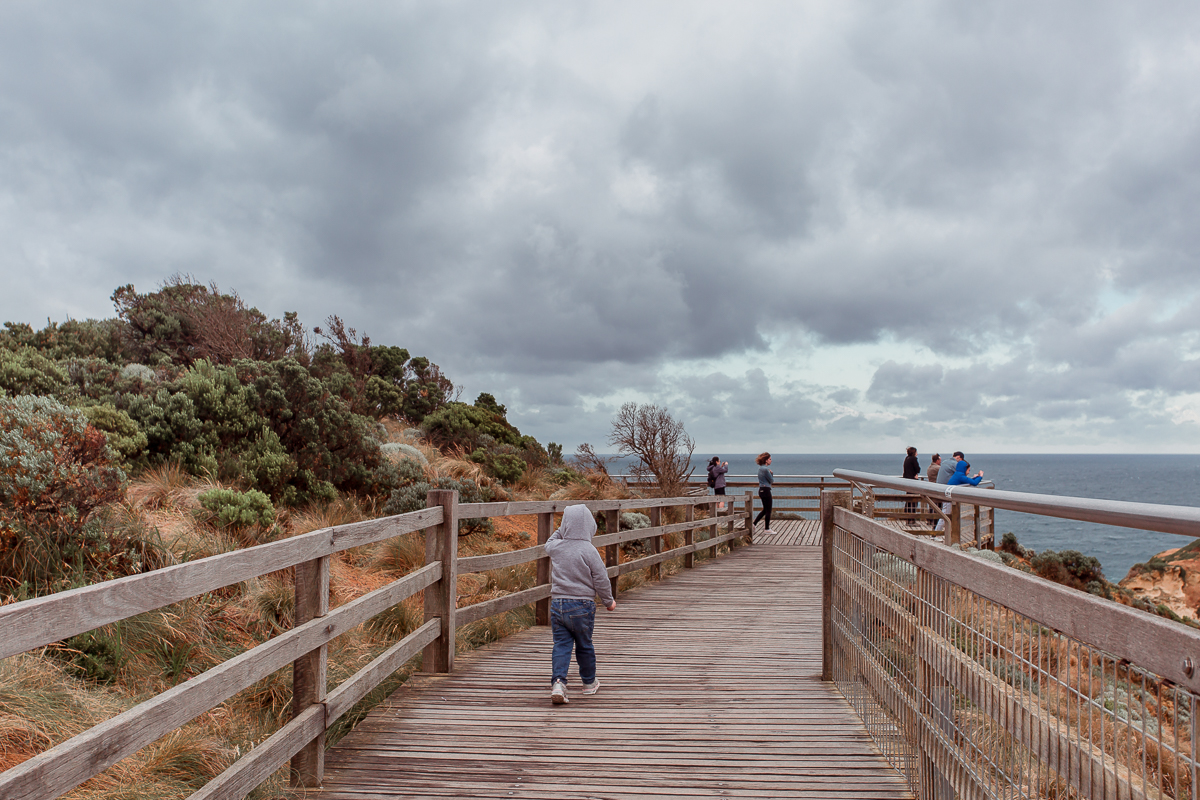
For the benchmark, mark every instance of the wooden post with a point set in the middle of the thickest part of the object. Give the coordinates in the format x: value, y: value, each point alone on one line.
x: 749, y: 518
x: 545, y: 523
x: 308, y: 671
x: 689, y: 515
x: 827, y: 506
x: 954, y: 529
x: 612, y: 552
x: 655, y: 573
x: 715, y: 529
x: 441, y: 599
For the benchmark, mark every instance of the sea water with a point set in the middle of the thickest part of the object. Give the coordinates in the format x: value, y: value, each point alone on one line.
x: 1164, y: 479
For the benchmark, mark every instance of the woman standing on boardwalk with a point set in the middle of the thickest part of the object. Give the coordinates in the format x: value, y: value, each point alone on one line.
x: 716, y: 476
x: 765, y: 478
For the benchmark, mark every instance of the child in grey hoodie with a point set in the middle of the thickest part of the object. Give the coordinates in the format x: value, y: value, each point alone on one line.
x: 578, y: 576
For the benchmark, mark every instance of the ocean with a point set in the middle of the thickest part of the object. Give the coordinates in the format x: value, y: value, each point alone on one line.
x: 1166, y: 479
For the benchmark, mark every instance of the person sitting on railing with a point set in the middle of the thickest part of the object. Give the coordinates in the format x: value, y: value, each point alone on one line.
x: 577, y: 577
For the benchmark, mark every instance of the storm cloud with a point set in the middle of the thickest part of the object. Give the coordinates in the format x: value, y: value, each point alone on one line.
x: 815, y: 227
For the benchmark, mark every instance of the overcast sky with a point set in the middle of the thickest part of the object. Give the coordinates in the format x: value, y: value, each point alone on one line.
x: 801, y: 226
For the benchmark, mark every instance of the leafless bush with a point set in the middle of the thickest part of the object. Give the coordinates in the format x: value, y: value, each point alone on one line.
x: 662, y: 446
x: 588, y: 460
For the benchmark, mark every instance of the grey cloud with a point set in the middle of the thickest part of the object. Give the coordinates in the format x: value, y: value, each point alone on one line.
x: 496, y: 187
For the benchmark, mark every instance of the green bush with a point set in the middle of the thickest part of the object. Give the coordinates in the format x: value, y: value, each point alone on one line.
x: 632, y: 521
x: 94, y: 656
x: 56, y: 472
x: 412, y: 498
x: 124, y: 436
x: 1068, y: 567
x: 26, y: 371
x: 233, y: 509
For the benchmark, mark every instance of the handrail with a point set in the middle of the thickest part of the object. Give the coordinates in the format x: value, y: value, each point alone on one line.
x: 35, y: 623
x: 1182, y: 520
x: 979, y: 680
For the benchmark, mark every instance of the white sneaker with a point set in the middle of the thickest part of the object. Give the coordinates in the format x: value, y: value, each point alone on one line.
x: 592, y: 688
x: 769, y: 532
x: 558, y: 695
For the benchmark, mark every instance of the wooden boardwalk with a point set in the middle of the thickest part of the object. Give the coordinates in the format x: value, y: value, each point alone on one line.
x: 710, y: 687
x: 802, y: 532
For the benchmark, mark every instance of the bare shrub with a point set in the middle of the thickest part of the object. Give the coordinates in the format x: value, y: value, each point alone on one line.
x: 662, y: 446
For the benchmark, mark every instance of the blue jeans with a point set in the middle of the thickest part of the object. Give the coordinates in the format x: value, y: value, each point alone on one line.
x: 572, y: 621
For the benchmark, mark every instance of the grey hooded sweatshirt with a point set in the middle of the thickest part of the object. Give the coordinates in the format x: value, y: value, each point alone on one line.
x: 577, y: 571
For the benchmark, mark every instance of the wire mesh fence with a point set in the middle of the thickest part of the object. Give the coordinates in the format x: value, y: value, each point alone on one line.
x: 968, y: 698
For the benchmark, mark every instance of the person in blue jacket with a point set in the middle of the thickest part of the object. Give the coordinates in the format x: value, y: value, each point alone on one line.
x: 961, y: 476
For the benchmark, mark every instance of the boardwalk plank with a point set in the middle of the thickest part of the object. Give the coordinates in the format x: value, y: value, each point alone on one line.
x: 710, y: 687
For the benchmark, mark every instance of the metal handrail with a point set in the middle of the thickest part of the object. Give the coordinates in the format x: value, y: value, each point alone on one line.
x: 1181, y: 520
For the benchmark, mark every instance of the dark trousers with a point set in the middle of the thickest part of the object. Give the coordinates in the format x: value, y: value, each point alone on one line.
x: 764, y: 494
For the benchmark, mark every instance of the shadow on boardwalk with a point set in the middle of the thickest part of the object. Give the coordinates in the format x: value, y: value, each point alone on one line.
x: 710, y: 687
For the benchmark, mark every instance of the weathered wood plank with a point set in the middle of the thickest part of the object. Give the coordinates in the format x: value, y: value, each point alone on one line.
x: 44, y: 620
x: 508, y: 602
x: 694, y: 702
x: 65, y: 766
x: 360, y: 684
x: 260, y: 763
x: 491, y: 561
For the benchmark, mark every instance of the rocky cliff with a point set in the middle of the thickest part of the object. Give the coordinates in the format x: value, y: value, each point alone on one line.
x: 1171, y: 579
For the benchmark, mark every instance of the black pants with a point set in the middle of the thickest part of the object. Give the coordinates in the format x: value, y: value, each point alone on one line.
x: 764, y: 494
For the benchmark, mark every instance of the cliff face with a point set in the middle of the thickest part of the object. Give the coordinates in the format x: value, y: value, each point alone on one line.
x: 1171, y: 578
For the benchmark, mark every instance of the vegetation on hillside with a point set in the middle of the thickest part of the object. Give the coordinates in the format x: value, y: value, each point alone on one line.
x: 192, y: 425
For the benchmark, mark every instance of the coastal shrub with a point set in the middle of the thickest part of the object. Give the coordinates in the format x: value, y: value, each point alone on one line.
x: 331, y: 445
x: 405, y: 450
x: 139, y: 372
x: 632, y: 521
x: 1009, y: 544
x: 56, y: 471
x: 94, y: 656
x: 412, y: 498
x: 124, y: 436
x: 26, y: 371
x: 409, y: 471
x: 1068, y: 567
x: 71, y: 339
x: 230, y: 508
x: 266, y: 466
x: 554, y: 452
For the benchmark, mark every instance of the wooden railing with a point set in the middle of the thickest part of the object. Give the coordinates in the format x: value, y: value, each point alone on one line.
x: 978, y: 680
x: 46, y: 620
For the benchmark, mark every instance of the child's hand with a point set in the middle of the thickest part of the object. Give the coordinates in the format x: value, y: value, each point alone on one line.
x: 612, y: 606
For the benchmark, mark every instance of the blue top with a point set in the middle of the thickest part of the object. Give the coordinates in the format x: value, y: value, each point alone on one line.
x: 765, y: 478
x: 960, y: 476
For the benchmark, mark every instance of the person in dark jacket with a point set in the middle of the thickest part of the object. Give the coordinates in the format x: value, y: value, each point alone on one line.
x: 912, y: 468
x: 765, y: 479
x: 716, y: 477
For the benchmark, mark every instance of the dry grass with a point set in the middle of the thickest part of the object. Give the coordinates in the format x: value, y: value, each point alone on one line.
x: 43, y: 701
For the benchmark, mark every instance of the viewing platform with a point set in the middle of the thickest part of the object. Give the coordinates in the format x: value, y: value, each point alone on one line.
x: 841, y: 657
x: 710, y: 686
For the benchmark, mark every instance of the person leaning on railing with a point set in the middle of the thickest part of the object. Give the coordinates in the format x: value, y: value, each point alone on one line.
x: 912, y: 468
x: 716, y: 477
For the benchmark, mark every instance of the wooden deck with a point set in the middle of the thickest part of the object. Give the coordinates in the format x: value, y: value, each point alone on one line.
x: 710, y: 687
x: 801, y: 532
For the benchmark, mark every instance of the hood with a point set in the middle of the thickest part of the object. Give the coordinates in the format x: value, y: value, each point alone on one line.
x: 961, y: 468
x: 577, y: 523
